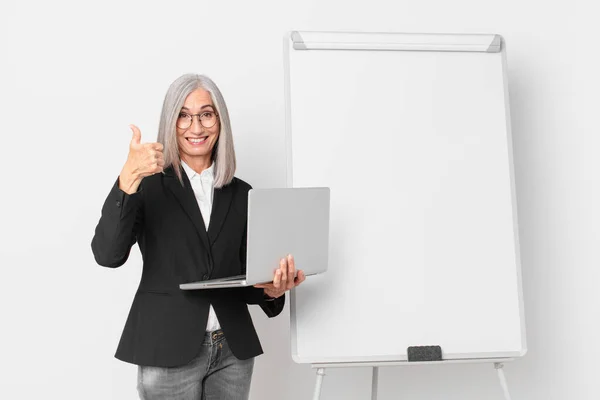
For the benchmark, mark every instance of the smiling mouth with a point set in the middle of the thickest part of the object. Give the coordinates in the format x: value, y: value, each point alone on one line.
x: 198, y: 140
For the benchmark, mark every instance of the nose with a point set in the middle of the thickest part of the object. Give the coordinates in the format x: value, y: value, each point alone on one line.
x: 196, y: 125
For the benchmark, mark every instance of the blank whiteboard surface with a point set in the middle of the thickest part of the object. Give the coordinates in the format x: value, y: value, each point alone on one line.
x: 416, y: 148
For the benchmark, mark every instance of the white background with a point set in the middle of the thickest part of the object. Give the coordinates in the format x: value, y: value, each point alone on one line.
x: 75, y: 74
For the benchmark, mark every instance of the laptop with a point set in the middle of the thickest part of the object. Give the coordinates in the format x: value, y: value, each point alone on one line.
x: 281, y: 221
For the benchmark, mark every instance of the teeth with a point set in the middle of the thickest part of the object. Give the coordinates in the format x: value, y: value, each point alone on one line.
x: 197, y: 140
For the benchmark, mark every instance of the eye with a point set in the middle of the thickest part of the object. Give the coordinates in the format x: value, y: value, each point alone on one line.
x: 207, y: 114
x: 183, y: 115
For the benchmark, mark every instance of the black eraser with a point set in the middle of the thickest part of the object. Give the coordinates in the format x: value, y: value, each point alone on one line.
x: 424, y: 353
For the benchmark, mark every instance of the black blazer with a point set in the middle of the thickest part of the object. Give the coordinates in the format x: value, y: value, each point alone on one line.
x: 166, y: 325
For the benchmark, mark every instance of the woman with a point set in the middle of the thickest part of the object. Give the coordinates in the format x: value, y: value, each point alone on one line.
x: 180, y: 201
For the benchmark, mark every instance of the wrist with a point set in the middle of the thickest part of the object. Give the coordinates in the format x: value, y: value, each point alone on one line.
x: 266, y: 297
x: 129, y: 181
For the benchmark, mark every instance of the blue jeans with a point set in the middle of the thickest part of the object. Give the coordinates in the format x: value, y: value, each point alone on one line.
x: 215, y: 374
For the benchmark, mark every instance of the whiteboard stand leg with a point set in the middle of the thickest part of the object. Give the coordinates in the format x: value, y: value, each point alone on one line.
x: 500, y: 368
x: 320, y: 375
x: 374, y: 383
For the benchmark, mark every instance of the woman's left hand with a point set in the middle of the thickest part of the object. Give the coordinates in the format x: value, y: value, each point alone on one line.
x: 284, y: 279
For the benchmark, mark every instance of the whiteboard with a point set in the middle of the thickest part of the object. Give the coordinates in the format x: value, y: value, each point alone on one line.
x: 412, y: 135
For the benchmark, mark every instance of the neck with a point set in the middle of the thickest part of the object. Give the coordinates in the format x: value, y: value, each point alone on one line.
x: 198, y: 164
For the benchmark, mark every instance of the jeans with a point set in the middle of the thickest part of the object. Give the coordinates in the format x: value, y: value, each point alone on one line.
x: 215, y: 374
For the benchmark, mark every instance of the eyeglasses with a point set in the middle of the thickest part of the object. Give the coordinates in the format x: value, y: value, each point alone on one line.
x: 207, y: 119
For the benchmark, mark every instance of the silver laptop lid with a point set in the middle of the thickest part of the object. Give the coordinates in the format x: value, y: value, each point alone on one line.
x: 287, y: 221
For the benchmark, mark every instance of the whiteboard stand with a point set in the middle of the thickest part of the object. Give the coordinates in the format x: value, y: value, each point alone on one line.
x: 451, y: 93
x: 320, y: 375
x: 498, y: 365
x: 500, y: 368
x: 374, y: 383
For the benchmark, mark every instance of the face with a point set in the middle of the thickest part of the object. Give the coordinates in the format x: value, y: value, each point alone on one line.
x: 196, y: 142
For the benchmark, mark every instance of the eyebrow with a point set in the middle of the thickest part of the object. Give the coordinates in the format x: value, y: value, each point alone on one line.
x: 207, y: 105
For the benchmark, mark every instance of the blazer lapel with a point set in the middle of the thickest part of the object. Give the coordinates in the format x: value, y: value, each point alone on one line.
x: 187, y: 200
x: 221, y: 203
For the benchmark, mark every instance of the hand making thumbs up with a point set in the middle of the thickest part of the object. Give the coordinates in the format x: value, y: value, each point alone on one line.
x: 144, y: 159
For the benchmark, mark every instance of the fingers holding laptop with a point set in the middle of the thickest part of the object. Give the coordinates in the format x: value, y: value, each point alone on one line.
x: 285, y: 278
x: 289, y: 278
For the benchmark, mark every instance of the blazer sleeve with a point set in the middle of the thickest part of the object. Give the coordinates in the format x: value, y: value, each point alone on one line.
x: 120, y: 223
x: 252, y: 295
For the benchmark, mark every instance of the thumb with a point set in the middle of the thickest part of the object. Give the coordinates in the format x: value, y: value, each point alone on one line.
x: 137, y: 135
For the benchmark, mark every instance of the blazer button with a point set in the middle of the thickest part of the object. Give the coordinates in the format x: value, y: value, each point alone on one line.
x: 205, y: 277
x: 118, y: 203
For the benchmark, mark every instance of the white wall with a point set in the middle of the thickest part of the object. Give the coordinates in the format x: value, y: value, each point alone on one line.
x: 74, y: 75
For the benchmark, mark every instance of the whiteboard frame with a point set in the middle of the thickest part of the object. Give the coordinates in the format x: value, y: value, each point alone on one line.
x: 407, y: 363
x: 306, y: 41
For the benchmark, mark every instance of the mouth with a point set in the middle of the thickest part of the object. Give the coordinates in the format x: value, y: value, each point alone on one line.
x: 197, y: 141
